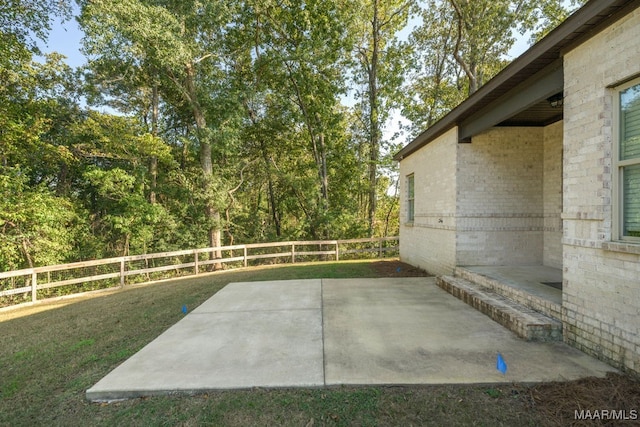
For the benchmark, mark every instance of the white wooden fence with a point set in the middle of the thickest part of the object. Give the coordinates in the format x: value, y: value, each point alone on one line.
x: 104, y: 273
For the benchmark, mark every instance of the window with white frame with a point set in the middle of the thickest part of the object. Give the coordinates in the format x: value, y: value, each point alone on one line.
x: 628, y: 162
x: 410, y: 198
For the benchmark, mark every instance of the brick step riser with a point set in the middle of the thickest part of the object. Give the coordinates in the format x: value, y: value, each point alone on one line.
x: 528, y: 331
x: 538, y: 304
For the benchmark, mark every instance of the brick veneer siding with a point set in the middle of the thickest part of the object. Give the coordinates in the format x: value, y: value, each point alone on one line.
x: 429, y: 242
x: 552, y: 196
x: 499, y: 204
x: 601, y: 298
x: 485, y: 203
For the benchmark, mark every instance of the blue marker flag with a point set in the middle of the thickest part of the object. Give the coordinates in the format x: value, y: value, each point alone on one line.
x: 501, y: 365
x: 184, y: 309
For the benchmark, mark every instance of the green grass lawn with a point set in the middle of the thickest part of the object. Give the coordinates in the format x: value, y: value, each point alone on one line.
x: 52, y: 352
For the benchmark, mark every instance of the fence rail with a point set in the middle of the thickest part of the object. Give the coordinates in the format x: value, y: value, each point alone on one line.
x: 39, y: 282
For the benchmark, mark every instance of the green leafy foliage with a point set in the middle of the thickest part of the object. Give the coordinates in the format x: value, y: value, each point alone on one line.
x: 462, y: 44
x: 37, y: 227
x: 226, y: 121
x: 380, y: 60
x: 21, y: 20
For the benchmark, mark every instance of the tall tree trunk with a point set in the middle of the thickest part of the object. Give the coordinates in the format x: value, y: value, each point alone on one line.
x: 322, y: 165
x: 212, y: 215
x: 125, y: 249
x: 273, y: 206
x: 324, y: 180
x: 392, y: 205
x: 63, y: 183
x: 311, y: 122
x: 153, y: 164
x: 320, y: 157
x: 25, y: 252
x: 374, y: 124
x: 470, y: 70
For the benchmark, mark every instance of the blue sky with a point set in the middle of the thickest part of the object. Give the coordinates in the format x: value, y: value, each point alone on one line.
x: 66, y: 37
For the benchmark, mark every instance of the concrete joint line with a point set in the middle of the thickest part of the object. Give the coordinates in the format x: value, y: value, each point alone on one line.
x: 324, y: 355
x: 266, y: 310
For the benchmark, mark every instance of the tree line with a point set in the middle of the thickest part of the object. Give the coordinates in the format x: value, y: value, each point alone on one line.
x: 207, y: 122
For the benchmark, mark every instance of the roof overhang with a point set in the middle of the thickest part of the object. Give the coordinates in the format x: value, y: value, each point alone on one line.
x: 533, y: 92
x: 528, y: 80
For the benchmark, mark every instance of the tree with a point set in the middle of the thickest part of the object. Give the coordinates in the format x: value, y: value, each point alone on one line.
x: 182, y: 42
x: 461, y: 44
x: 290, y: 71
x: 37, y: 227
x: 434, y: 80
x: 23, y: 20
x: 378, y: 57
x: 114, y: 152
x: 484, y: 31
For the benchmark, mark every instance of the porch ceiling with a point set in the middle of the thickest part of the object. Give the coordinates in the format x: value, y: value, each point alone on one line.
x: 540, y: 114
x: 522, y: 105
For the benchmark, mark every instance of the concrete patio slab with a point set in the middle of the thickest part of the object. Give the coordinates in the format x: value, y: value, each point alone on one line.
x: 262, y: 334
x: 311, y: 333
x: 265, y: 296
x: 406, y: 332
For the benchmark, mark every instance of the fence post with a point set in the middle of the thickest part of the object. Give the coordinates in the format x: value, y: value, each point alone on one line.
x: 34, y: 286
x: 195, y: 260
x: 380, y: 248
x: 245, y: 254
x: 122, y: 272
x: 337, y: 251
x: 293, y: 252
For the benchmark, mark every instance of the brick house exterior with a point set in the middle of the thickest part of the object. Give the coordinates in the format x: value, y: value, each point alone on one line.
x: 514, y: 177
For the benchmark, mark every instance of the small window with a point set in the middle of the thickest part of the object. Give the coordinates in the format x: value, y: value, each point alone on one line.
x: 410, y: 198
x: 628, y: 162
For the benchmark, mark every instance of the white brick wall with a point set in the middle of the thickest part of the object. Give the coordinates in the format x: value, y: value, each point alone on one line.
x: 601, y: 298
x: 498, y: 199
x: 429, y: 242
x: 500, y: 203
x: 552, y: 196
x: 485, y: 203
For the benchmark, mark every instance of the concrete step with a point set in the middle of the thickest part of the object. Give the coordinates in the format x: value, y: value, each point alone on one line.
x: 520, y: 296
x: 525, y: 322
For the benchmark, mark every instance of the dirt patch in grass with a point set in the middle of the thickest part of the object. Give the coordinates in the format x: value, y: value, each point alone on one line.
x: 396, y: 268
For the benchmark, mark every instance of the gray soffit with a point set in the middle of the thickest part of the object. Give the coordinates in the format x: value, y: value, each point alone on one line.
x: 537, y: 73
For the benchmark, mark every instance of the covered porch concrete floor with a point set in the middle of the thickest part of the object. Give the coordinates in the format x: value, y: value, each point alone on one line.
x: 527, y: 279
